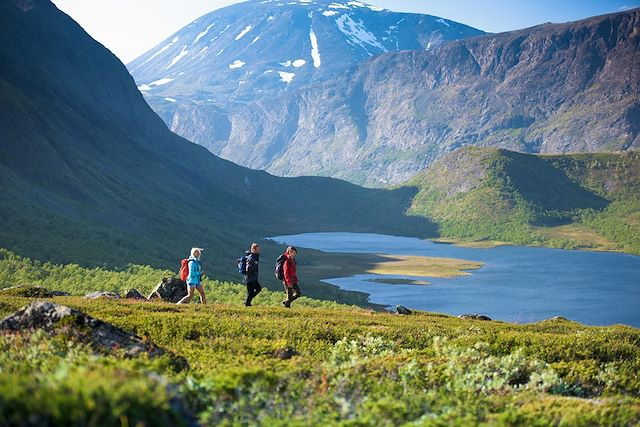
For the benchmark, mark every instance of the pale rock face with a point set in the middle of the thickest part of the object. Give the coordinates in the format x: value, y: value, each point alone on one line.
x: 235, y: 76
x: 357, y: 110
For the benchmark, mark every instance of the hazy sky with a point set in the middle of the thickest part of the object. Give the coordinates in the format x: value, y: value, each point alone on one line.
x: 129, y: 28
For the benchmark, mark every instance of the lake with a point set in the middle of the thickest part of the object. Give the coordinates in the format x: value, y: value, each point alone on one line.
x: 516, y: 284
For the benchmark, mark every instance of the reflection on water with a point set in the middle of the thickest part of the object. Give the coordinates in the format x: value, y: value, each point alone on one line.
x: 516, y: 284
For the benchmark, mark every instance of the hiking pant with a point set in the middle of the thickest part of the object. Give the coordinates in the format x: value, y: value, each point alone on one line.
x: 253, y: 289
x: 293, y: 293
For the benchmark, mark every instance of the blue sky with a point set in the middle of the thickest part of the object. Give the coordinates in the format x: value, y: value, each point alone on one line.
x: 130, y: 28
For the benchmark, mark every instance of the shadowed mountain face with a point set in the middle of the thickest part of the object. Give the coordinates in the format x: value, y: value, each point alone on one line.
x: 555, y: 88
x: 89, y: 173
x: 205, y: 80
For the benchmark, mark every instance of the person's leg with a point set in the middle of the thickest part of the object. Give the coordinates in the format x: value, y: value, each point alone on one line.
x: 253, y: 289
x: 203, y: 297
x: 247, y: 300
x: 187, y: 298
x: 287, y: 301
x: 294, y: 293
x: 256, y: 289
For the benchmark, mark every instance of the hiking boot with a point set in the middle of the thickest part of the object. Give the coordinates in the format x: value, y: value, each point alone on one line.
x: 248, y: 304
x: 286, y: 304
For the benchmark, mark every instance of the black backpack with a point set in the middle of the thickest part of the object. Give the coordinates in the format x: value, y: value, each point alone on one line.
x: 242, y: 265
x: 280, y: 267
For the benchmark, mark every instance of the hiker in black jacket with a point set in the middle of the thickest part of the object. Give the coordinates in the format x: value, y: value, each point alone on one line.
x: 251, y: 278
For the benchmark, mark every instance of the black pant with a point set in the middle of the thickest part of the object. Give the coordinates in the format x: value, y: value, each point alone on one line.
x: 293, y: 293
x: 253, y: 289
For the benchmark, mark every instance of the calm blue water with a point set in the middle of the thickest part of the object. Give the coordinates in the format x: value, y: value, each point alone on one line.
x: 516, y: 284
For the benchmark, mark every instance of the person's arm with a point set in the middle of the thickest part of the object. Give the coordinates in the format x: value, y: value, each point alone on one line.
x: 191, y: 271
x: 287, y: 272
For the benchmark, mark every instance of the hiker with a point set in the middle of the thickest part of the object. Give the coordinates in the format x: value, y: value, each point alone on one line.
x: 194, y: 278
x: 291, y: 286
x: 251, y: 275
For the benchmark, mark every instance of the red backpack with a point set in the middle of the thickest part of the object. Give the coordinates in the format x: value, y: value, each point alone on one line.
x: 184, y: 269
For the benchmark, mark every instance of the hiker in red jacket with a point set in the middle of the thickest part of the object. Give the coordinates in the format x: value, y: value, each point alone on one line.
x: 290, y: 277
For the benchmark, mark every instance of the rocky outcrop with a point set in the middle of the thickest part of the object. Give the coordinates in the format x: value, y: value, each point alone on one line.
x: 219, y: 91
x: 554, y: 88
x: 403, y: 310
x: 58, y: 319
x: 474, y: 317
x: 102, y: 295
x: 33, y: 292
x: 170, y: 289
x: 134, y: 294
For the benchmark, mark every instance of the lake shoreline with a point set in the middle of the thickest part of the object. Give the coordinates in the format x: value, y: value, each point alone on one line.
x: 516, y: 284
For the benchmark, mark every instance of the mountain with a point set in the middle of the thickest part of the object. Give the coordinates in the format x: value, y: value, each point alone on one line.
x: 90, y: 174
x: 214, y: 81
x: 589, y: 201
x: 554, y: 88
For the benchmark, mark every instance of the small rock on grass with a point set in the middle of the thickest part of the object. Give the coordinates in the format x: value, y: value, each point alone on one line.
x: 474, y: 317
x: 170, y: 289
x: 133, y: 294
x: 102, y: 295
x: 403, y: 310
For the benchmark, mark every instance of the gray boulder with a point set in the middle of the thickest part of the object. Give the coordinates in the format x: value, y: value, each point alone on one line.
x: 171, y: 289
x: 474, y: 317
x: 56, y: 319
x: 403, y: 310
x: 29, y: 291
x: 133, y: 294
x: 102, y: 295
x: 59, y: 294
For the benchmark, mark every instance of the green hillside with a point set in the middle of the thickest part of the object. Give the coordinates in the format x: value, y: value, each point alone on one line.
x: 318, y: 363
x: 91, y: 175
x: 585, y: 201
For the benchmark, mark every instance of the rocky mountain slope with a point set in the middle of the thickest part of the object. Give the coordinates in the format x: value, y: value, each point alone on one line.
x: 203, y: 79
x: 90, y: 174
x: 554, y: 88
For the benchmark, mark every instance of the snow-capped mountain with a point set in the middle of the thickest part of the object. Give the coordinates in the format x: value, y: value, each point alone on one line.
x: 260, y: 49
x: 270, y: 46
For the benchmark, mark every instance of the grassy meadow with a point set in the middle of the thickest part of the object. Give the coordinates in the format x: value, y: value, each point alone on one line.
x: 319, y: 363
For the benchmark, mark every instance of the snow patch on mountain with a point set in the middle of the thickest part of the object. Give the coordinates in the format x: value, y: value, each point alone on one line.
x: 182, y: 54
x: 315, y: 52
x: 298, y: 63
x: 443, y: 22
x: 161, y: 82
x: 237, y: 64
x: 243, y: 32
x: 330, y: 13
x: 202, y: 34
x: 358, y: 33
x: 286, y: 77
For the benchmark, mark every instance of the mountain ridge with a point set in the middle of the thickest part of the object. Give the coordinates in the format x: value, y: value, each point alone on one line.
x: 552, y: 88
x: 216, y: 88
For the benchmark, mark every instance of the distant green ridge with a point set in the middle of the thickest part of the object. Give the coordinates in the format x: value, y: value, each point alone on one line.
x: 550, y: 200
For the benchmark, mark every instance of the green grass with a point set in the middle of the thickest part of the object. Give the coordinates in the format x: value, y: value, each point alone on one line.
x: 319, y: 363
x: 350, y: 367
x: 581, y: 201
